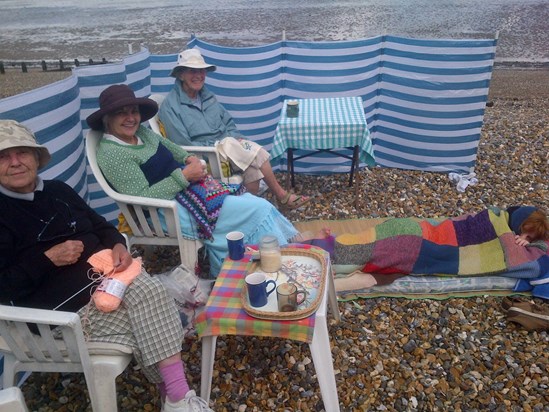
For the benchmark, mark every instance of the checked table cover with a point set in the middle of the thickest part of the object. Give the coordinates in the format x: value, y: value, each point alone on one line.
x: 224, y: 314
x: 326, y: 123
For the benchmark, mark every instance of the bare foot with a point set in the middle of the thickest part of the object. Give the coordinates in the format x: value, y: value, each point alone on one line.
x: 309, y: 235
x: 355, y: 281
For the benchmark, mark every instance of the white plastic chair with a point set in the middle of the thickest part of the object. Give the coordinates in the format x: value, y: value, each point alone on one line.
x: 11, y: 400
x: 154, y: 122
x: 215, y: 162
x: 23, y: 350
x: 142, y: 213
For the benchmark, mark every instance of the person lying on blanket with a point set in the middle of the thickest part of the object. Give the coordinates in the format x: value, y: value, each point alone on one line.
x: 511, y: 243
x: 530, y: 224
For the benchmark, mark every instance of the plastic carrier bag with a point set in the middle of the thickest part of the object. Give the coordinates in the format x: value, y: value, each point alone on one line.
x: 189, y: 292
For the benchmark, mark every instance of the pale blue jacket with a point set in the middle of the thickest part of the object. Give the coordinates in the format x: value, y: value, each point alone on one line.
x: 187, y: 125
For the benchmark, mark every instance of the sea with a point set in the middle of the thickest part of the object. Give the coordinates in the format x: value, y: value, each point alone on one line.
x: 69, y: 29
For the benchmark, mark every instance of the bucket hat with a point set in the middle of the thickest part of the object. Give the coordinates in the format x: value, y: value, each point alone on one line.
x: 193, y: 59
x: 14, y: 134
x: 117, y: 96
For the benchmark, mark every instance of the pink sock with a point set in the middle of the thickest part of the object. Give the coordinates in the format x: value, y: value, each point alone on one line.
x: 175, y: 381
x: 161, y: 390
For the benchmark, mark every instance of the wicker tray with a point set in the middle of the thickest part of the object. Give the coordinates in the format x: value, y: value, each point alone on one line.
x: 307, y: 269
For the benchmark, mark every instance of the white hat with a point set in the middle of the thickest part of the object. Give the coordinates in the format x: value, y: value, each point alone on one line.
x: 14, y: 134
x: 193, y: 59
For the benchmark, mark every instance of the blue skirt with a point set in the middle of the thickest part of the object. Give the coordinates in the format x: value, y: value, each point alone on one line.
x: 249, y: 214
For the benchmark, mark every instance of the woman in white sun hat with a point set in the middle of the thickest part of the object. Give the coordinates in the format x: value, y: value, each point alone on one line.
x: 191, y: 115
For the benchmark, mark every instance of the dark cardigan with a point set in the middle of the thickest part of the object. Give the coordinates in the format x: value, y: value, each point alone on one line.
x: 29, y: 228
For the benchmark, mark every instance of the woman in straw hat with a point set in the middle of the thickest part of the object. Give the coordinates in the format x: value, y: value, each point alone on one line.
x: 136, y: 161
x: 191, y: 115
x: 47, y: 236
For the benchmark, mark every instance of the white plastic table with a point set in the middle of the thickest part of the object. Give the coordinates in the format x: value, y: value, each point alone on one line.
x: 224, y: 315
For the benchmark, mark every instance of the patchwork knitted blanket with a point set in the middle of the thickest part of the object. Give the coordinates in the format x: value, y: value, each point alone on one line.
x: 204, y: 199
x: 469, y: 245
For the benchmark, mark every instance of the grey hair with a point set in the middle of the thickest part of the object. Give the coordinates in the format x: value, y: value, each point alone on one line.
x: 37, y: 154
x: 179, y: 70
x: 105, y: 121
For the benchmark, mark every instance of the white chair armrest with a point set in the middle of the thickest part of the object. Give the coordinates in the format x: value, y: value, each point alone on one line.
x: 200, y: 149
x: 48, y: 317
x: 213, y: 159
x: 143, y: 201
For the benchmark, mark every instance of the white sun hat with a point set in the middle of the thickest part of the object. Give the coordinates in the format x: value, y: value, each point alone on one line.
x: 193, y: 59
x: 14, y: 134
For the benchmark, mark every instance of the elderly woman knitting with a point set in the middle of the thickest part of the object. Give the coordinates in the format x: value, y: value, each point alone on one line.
x: 51, y: 240
x: 191, y: 115
x: 136, y: 161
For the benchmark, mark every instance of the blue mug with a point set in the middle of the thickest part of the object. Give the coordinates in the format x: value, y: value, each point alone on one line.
x: 235, y: 242
x: 257, y: 284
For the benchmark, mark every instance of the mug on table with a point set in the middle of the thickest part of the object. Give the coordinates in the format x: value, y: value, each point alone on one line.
x: 287, y: 295
x: 235, y: 242
x: 257, y: 285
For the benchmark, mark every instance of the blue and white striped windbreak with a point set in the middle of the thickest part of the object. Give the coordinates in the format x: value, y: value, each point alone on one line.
x: 424, y: 100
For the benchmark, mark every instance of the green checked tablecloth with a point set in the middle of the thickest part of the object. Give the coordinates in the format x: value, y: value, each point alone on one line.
x: 327, y: 123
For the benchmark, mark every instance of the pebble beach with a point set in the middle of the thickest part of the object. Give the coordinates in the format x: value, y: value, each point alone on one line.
x: 389, y: 354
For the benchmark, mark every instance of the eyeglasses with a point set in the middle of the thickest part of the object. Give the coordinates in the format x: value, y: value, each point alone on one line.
x: 68, y: 221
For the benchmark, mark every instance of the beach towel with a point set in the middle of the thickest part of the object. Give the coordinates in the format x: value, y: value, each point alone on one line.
x: 470, y: 245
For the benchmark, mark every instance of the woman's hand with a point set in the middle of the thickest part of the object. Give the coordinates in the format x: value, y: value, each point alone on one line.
x: 191, y: 159
x: 66, y: 253
x: 121, y: 258
x: 195, y: 171
x: 521, y: 240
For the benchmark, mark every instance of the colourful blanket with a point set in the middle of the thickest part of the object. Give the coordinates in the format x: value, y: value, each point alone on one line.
x: 204, y: 200
x: 469, y: 245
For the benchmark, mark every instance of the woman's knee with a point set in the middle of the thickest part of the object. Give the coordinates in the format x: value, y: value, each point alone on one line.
x: 145, y: 286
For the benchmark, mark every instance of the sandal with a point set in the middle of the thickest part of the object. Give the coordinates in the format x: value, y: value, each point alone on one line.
x: 535, y: 319
x: 295, y: 204
x: 509, y: 302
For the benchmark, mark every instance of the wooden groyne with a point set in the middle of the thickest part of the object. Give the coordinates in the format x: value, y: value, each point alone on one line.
x: 48, y: 65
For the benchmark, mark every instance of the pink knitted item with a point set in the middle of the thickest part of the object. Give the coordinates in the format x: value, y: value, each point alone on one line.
x: 110, y: 292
